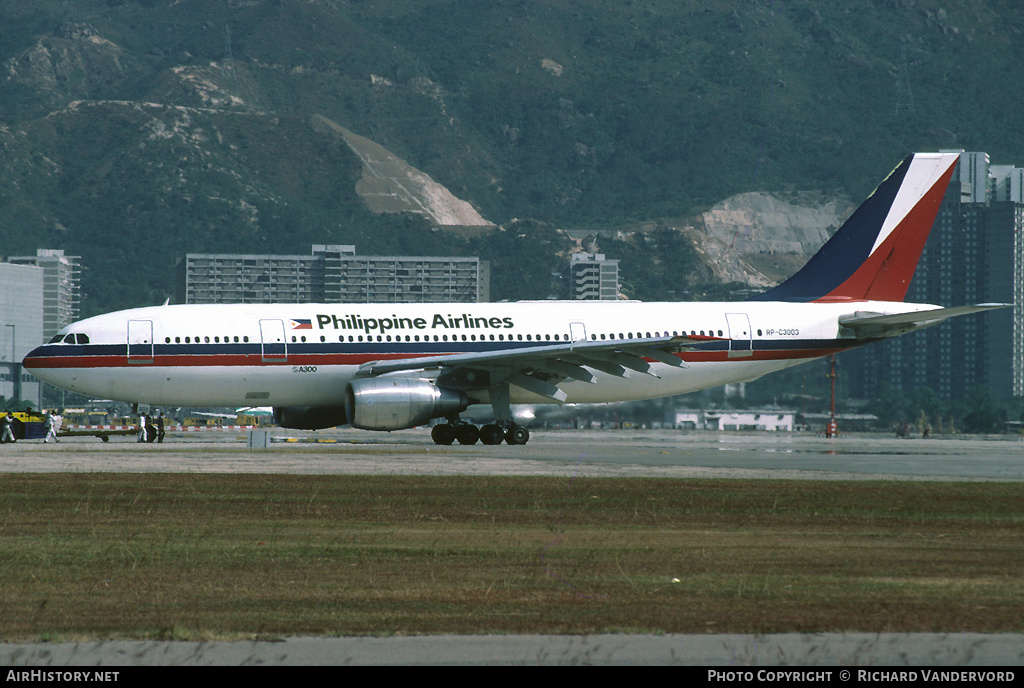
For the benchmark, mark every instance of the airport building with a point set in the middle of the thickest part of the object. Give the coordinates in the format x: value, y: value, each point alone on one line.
x: 973, y: 255
x: 38, y: 296
x: 21, y: 329
x: 60, y: 292
x: 593, y: 278
x: 331, y: 274
x: 772, y: 420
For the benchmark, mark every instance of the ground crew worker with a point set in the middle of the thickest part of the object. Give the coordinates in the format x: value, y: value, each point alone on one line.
x: 7, y: 428
x: 50, y: 428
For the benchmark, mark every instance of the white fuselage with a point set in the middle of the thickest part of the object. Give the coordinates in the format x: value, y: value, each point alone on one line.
x: 305, y: 354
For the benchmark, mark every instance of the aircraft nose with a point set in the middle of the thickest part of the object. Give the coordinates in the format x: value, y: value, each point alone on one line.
x: 32, y: 360
x: 36, y: 363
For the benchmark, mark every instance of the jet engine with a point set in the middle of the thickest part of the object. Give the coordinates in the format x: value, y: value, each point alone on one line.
x: 396, y: 403
x: 309, y: 417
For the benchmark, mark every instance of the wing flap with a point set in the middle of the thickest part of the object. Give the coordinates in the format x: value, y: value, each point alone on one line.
x: 539, y: 387
x: 569, y: 352
x: 525, y: 366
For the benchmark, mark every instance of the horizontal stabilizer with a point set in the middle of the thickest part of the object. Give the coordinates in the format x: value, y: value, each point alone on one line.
x: 869, y: 325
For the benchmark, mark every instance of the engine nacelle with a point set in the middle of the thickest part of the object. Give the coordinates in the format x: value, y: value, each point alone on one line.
x: 396, y: 403
x: 309, y: 417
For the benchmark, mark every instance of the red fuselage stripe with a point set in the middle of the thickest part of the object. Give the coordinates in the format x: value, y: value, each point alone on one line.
x: 251, y: 360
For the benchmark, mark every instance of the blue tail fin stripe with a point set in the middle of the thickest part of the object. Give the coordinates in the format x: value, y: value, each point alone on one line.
x: 867, y: 229
x: 846, y: 250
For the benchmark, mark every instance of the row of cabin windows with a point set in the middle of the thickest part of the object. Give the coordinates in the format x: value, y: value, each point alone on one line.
x: 216, y: 340
x: 443, y: 338
x: 83, y: 339
x: 675, y: 333
x: 440, y: 338
x: 491, y: 337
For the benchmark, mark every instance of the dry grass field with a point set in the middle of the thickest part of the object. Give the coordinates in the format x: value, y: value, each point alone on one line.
x: 190, y: 556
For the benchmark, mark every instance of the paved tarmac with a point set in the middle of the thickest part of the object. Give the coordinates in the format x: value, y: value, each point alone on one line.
x: 584, y: 453
x: 665, y: 453
x: 720, y: 651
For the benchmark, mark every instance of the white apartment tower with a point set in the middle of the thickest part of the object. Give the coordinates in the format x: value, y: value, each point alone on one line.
x: 61, y: 275
x: 593, y: 278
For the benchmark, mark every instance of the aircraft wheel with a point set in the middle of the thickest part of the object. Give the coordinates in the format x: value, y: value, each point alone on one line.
x: 443, y: 434
x: 492, y: 434
x: 467, y: 434
x: 517, y: 434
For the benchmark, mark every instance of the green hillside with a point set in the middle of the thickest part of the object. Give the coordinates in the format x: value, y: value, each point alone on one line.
x: 132, y: 132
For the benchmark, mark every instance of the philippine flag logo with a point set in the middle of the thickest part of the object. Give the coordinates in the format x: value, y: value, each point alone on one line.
x: 302, y: 324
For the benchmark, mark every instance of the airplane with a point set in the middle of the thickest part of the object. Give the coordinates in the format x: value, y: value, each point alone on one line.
x: 395, y: 366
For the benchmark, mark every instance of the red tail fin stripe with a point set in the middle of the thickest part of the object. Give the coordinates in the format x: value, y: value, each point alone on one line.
x: 926, y: 169
x: 885, y: 275
x: 903, y: 248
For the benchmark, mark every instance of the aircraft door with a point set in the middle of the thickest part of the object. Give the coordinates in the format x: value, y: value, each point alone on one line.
x: 577, y: 331
x: 140, y: 341
x: 740, y: 336
x: 275, y: 344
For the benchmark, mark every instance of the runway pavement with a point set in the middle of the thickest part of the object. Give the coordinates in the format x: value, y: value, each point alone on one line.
x: 665, y: 453
x: 668, y: 453
x: 719, y: 651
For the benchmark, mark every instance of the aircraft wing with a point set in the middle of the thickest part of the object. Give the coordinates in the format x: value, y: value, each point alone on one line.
x: 869, y: 325
x: 540, y: 368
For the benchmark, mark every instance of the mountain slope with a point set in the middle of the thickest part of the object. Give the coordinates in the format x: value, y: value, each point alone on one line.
x: 133, y: 131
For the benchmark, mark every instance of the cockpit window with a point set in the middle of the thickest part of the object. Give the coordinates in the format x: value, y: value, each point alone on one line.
x: 73, y: 338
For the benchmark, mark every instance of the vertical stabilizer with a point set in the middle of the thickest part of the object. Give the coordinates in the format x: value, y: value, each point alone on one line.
x: 874, y: 254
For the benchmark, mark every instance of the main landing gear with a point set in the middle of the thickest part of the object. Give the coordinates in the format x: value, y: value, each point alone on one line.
x: 503, y: 429
x: 467, y: 433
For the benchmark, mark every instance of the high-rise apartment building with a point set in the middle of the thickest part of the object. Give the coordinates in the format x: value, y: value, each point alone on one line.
x: 21, y: 328
x: 61, y: 275
x: 593, y: 278
x: 331, y: 274
x: 973, y: 255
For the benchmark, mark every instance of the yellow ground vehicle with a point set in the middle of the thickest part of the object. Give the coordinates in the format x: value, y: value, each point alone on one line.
x: 27, y: 425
